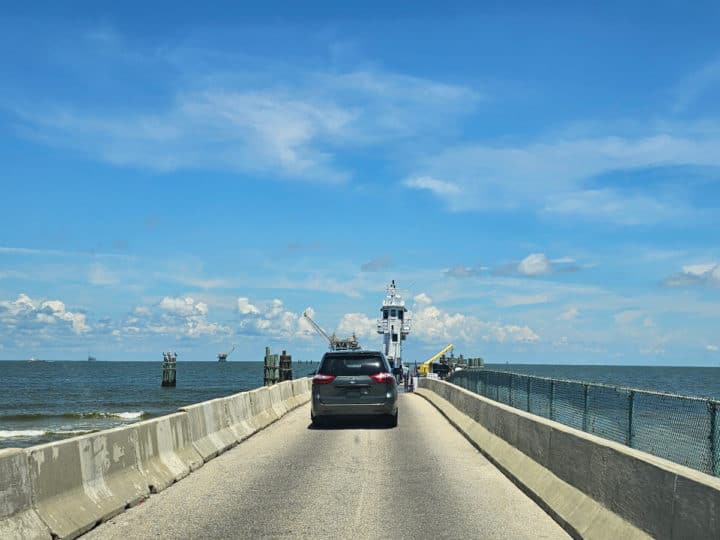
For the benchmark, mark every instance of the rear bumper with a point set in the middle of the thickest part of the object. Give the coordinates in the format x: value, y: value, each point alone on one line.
x: 319, y: 408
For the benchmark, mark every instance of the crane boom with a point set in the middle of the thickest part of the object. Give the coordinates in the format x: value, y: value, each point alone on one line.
x: 317, y: 327
x: 426, y: 366
x: 335, y: 343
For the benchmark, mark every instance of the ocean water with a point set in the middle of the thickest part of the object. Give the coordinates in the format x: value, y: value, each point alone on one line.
x: 686, y: 381
x: 47, y: 401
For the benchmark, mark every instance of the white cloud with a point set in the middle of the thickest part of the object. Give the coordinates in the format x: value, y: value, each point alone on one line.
x: 441, y: 188
x: 534, y: 264
x: 290, y: 127
x: 695, y: 274
x: 431, y: 324
x: 183, y: 306
x: 359, y: 324
x: 522, y: 300
x: 25, y: 314
x: 570, y: 314
x: 550, y: 176
x: 713, y: 348
x: 245, y: 307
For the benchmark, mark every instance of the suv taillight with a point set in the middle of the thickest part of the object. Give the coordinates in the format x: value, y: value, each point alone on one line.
x: 323, y: 379
x: 383, y: 377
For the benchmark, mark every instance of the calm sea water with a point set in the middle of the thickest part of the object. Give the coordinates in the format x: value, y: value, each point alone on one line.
x: 47, y: 401
x: 687, y: 381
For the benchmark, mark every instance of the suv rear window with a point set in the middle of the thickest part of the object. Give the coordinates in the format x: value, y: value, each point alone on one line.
x: 352, y: 364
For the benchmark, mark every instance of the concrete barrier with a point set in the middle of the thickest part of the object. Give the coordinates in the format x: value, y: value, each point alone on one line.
x: 210, y: 428
x: 276, y: 401
x: 239, y: 411
x: 262, y: 412
x: 18, y: 519
x: 79, y: 482
x: 65, y: 488
x: 165, y: 451
x: 302, y: 390
x: 595, y: 488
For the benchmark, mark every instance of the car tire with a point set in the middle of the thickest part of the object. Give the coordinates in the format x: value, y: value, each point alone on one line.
x: 392, y: 421
x: 318, y: 421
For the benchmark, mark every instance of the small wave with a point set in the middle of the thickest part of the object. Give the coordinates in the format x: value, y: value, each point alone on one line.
x: 32, y: 433
x: 7, y: 434
x: 130, y: 415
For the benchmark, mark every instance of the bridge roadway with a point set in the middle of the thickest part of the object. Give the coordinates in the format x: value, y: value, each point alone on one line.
x: 419, y: 480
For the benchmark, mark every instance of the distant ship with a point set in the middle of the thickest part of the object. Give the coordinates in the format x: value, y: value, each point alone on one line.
x: 92, y: 358
x: 33, y: 360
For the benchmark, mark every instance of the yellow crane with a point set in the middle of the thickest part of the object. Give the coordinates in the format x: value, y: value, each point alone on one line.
x: 426, y: 366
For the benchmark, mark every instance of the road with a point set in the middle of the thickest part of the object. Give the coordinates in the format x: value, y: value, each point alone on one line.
x: 419, y: 480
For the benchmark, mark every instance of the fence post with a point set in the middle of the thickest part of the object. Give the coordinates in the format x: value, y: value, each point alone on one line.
x: 631, y: 405
x: 714, y: 442
x: 510, y: 378
x: 528, y: 394
x: 552, y: 399
x: 585, y: 407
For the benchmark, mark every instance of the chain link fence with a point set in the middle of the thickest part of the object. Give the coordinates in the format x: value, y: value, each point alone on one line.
x: 678, y: 428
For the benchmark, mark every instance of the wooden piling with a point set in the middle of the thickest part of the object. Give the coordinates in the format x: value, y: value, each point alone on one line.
x: 271, y: 368
x: 285, y: 367
x: 169, y: 367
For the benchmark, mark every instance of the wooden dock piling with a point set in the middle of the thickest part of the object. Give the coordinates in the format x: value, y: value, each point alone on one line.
x: 286, y: 373
x: 169, y: 368
x: 271, y: 368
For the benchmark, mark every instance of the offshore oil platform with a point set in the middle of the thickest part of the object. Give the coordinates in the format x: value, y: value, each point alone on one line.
x: 223, y: 356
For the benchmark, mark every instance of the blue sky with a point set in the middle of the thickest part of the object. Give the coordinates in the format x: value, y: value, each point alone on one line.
x: 543, y: 182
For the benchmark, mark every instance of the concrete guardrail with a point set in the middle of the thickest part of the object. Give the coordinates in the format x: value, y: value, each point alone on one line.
x: 593, y: 487
x: 65, y: 488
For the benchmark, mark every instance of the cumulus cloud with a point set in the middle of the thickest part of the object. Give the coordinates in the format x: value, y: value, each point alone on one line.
x: 534, y: 264
x: 431, y: 324
x: 359, y: 324
x: 272, y: 319
x: 245, y: 307
x: 570, y: 314
x: 180, y: 316
x: 694, y: 275
x: 25, y: 314
x: 712, y: 348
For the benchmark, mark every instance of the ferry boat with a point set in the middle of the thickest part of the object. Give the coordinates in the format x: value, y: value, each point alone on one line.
x: 394, y: 327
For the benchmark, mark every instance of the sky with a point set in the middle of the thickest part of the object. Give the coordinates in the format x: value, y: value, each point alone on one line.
x: 542, y: 181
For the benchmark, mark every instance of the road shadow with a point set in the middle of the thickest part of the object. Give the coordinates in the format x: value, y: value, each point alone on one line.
x: 343, y: 422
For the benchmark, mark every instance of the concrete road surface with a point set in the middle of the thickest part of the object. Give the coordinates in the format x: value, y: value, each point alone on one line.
x: 419, y: 480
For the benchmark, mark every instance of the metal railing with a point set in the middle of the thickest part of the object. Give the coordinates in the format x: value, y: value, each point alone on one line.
x: 682, y: 429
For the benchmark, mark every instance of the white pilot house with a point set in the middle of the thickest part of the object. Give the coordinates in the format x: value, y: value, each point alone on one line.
x: 394, y: 326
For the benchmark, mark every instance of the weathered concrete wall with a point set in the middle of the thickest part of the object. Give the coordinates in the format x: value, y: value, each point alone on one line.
x: 18, y: 518
x: 594, y: 487
x: 65, y: 488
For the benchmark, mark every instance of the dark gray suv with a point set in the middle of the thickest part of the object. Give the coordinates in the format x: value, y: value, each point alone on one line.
x: 354, y: 383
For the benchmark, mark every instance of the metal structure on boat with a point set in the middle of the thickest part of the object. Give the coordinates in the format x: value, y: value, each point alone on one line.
x: 335, y: 343
x: 394, y: 326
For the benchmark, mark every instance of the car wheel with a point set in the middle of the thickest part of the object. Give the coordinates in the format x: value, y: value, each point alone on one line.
x: 392, y: 421
x: 318, y: 421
